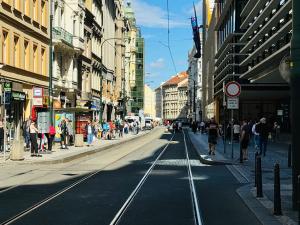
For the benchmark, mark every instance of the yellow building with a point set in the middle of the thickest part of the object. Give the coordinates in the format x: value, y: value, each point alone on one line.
x: 24, y: 51
x: 149, y: 102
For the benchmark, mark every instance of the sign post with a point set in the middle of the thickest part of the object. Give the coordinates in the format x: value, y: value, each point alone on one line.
x: 233, y: 91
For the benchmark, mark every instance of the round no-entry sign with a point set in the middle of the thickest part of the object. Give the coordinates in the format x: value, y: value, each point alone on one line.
x: 232, y: 89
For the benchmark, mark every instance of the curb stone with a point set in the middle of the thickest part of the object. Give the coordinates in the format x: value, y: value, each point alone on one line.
x: 86, y: 153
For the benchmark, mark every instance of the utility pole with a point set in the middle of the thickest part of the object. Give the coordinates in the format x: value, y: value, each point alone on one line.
x: 295, y: 96
x: 50, y: 99
x: 194, y: 99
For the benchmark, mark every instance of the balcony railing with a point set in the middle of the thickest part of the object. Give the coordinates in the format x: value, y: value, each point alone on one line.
x: 61, y: 34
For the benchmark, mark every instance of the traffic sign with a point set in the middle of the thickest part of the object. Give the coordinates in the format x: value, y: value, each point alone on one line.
x: 232, y: 103
x: 232, y: 89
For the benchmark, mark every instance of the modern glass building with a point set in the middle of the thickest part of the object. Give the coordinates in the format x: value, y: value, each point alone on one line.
x: 137, y: 91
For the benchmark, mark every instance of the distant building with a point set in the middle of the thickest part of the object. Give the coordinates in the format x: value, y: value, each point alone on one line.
x: 174, y: 97
x: 149, y: 102
x: 134, y: 62
x: 159, y: 101
x: 195, y: 86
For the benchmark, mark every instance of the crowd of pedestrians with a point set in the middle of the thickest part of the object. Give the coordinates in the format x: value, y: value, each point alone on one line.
x: 260, y: 132
x: 39, y: 142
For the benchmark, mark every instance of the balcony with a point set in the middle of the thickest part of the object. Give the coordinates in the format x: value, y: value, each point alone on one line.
x: 62, y: 35
x: 78, y: 43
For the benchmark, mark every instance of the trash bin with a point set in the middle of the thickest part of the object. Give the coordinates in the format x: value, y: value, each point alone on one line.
x: 79, y: 140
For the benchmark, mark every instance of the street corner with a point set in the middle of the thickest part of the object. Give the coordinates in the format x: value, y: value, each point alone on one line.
x: 202, y: 150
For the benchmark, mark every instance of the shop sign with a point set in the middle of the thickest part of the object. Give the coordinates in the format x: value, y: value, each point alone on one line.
x: 38, y: 92
x: 43, y: 122
x: 37, y: 101
x: 18, y: 96
x: 7, y: 86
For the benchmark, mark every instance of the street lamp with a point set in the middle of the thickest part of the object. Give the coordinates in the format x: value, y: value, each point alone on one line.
x: 194, y: 98
x: 101, y: 78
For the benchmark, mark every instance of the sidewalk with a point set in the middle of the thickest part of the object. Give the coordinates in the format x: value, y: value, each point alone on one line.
x: 65, y: 155
x: 276, y: 153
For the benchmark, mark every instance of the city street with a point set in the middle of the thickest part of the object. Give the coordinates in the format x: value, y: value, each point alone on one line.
x: 146, y: 181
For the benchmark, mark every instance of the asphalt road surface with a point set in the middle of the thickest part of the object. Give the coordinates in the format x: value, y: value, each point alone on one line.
x: 146, y: 182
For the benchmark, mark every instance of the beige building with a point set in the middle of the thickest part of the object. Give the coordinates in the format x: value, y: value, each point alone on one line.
x: 130, y: 53
x: 149, y: 102
x: 175, y: 97
x: 24, y: 55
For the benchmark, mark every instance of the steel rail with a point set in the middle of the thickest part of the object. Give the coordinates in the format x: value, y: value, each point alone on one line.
x: 197, y: 215
x: 62, y: 191
x: 129, y: 200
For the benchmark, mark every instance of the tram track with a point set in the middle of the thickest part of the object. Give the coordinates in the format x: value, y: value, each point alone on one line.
x: 117, y: 217
x: 194, y: 199
x: 60, y: 192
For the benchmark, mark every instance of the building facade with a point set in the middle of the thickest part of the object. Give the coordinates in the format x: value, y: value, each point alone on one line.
x: 159, y: 101
x: 24, y: 56
x: 175, y: 97
x: 195, y: 86
x: 208, y: 61
x: 137, y: 90
x: 149, y: 102
x: 267, y: 32
x: 246, y: 41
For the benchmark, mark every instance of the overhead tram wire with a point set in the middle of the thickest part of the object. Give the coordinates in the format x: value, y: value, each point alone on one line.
x: 168, y: 46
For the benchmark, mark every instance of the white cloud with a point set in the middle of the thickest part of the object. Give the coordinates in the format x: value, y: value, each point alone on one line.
x: 158, y: 64
x: 153, y: 16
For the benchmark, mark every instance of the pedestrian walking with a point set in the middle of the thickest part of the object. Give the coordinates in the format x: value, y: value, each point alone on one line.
x: 275, y: 132
x: 245, y: 138
x: 2, y: 135
x: 256, y: 136
x: 121, y: 129
x: 63, y: 134
x: 263, y: 130
x: 26, y: 133
x: 70, y: 134
x: 194, y: 127
x: 212, y: 136
x: 33, y: 139
x: 90, y: 132
x: 202, y: 127
x: 51, y: 135
x: 236, y: 132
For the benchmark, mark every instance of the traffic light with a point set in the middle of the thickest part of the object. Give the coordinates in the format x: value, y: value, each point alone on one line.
x: 196, y: 35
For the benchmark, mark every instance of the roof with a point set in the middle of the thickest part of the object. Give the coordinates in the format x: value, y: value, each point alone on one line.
x: 184, y: 83
x: 175, y: 80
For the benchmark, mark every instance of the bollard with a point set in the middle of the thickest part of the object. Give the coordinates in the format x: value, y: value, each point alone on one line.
x: 259, y: 187
x: 290, y: 156
x: 255, y: 170
x: 298, y: 187
x: 277, y: 197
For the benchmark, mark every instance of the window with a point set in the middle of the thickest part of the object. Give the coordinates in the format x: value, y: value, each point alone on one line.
x: 27, y: 7
x: 26, y: 55
x: 16, y: 51
x: 17, y: 4
x: 35, y: 58
x: 43, y: 62
x: 35, y: 10
x: 44, y: 13
x: 5, y: 47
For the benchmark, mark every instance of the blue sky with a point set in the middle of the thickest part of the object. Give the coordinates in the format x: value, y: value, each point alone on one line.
x: 151, y: 16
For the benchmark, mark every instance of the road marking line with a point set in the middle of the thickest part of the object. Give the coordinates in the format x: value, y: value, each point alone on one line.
x: 192, y: 186
x: 129, y: 200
